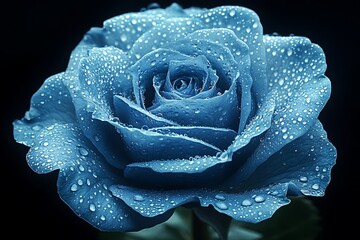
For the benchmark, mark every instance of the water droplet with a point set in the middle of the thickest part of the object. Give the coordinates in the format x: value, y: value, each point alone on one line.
x: 36, y: 127
x: 138, y: 198
x: 289, y: 52
x: 259, y: 199
x: 315, y: 186
x: 81, y: 168
x: 83, y: 151
x: 92, y: 207
x: 232, y: 13
x: 303, y: 179
x: 246, y: 203
x: 96, y: 137
x: 123, y: 37
x: 46, y: 144
x: 220, y: 197
x: 74, y: 188
x: 102, y: 217
x: 221, y: 205
x: 281, y: 81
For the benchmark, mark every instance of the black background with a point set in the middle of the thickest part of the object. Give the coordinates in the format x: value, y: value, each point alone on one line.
x: 37, y: 38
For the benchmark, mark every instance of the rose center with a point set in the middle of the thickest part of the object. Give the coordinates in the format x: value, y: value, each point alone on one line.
x: 187, y: 85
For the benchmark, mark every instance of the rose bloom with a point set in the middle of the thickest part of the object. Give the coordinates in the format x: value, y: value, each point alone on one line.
x: 182, y: 107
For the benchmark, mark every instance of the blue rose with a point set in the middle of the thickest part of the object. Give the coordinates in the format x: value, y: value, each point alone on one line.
x: 182, y: 107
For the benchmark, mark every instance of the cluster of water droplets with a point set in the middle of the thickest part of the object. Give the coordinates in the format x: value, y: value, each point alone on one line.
x: 248, y: 206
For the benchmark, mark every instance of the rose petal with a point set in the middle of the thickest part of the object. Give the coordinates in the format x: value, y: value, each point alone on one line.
x: 240, y: 52
x: 169, y: 31
x: 219, y: 56
x: 220, y: 111
x: 246, y: 25
x: 49, y: 105
x: 144, y: 145
x: 124, y: 30
x: 130, y: 113
x: 92, y: 39
x: 219, y: 137
x: 306, y: 97
x: 305, y: 162
x: 84, y: 178
x: 293, y: 64
x: 203, y: 78
x: 179, y: 173
x: 152, y: 64
x: 103, y: 135
x: 102, y: 75
x: 207, y: 170
x: 260, y: 123
x: 250, y: 206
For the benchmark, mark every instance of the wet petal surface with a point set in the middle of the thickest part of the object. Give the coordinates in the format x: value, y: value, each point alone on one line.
x: 143, y: 145
x: 49, y: 105
x: 305, y: 162
x: 250, y: 206
x: 246, y: 25
x: 84, y: 179
x: 298, y: 102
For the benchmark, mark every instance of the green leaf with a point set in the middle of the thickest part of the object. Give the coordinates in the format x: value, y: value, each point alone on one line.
x: 218, y: 221
x: 298, y: 220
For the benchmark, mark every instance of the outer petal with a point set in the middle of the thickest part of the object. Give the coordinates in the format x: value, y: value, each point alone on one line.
x: 124, y: 30
x: 49, y: 105
x: 84, y: 178
x: 250, y: 206
x: 247, y: 27
x: 303, y: 93
x: 100, y: 76
x: 169, y: 31
x: 305, y: 162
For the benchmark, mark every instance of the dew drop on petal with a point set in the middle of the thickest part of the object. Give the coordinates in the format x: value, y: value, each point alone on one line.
x: 246, y: 202
x: 259, y: 199
x: 81, y: 168
x: 92, y: 207
x: 37, y: 127
x: 83, y: 151
x: 74, y: 188
x: 221, y: 205
x: 220, y: 197
x: 303, y: 179
x: 138, y: 198
x: 315, y: 186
